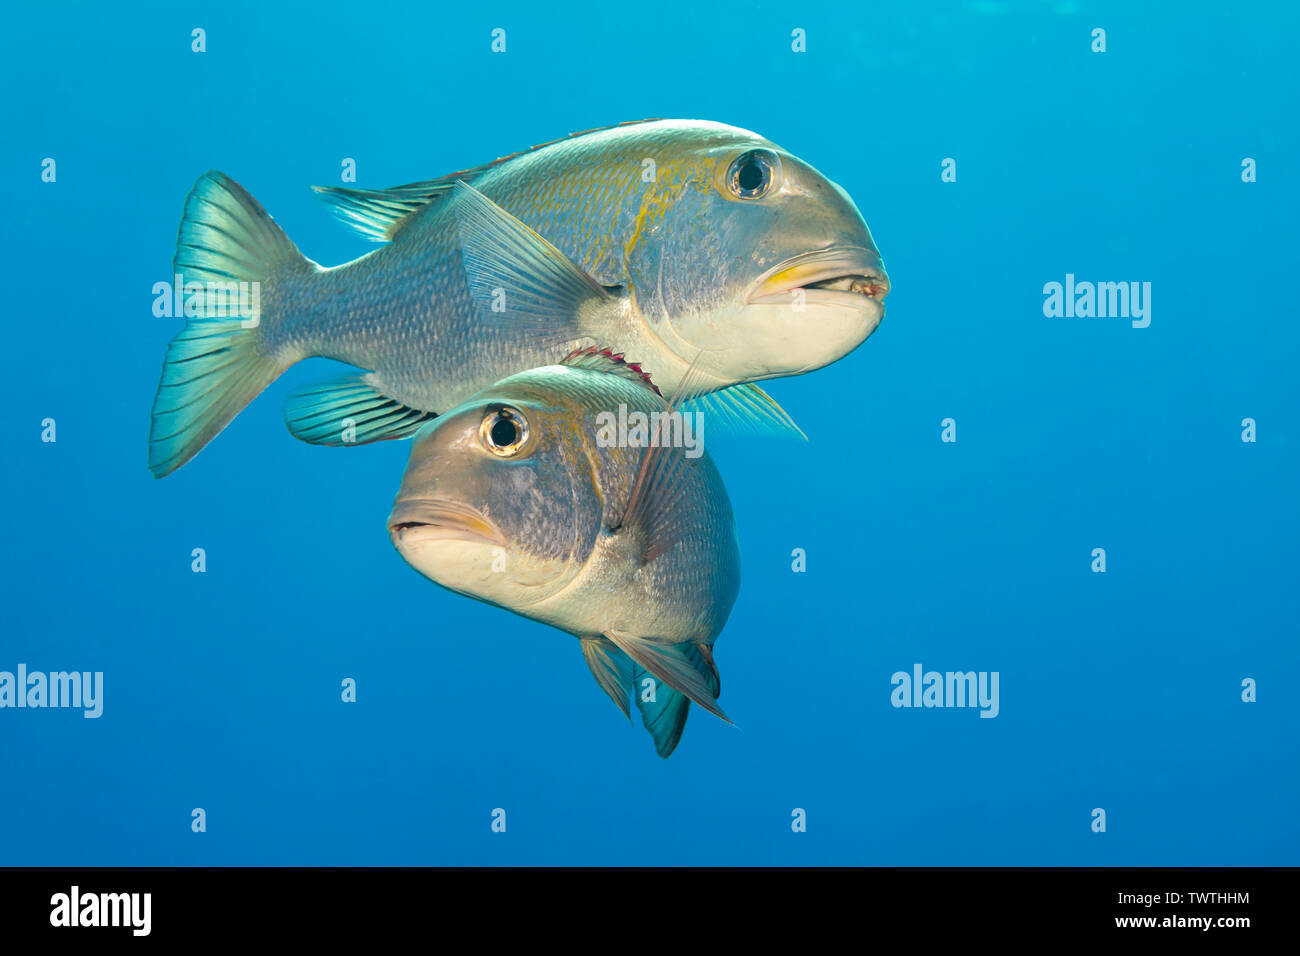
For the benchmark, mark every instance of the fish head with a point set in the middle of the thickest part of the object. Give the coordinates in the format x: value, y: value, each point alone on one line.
x: 498, y: 501
x: 756, y: 262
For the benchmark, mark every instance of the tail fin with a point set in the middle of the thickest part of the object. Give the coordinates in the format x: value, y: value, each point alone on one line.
x: 218, y: 363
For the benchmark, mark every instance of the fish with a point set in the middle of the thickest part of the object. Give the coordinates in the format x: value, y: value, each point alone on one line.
x: 658, y: 239
x: 524, y: 497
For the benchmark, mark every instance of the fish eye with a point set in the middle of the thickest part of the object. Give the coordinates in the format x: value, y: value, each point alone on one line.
x: 504, y: 432
x: 752, y: 173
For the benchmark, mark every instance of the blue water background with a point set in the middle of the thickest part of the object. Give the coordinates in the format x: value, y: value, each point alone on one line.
x: 1119, y: 691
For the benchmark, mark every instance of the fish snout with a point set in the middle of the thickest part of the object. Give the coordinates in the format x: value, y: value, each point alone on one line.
x: 853, y: 270
x: 429, y: 519
x: 874, y: 282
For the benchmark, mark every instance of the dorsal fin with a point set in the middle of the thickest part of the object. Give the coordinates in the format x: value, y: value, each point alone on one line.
x: 379, y: 214
x: 604, y: 360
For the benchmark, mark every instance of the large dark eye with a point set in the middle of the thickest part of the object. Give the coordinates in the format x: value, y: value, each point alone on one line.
x: 504, y: 431
x: 752, y: 173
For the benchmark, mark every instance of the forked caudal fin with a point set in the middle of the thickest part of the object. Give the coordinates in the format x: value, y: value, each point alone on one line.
x: 229, y: 247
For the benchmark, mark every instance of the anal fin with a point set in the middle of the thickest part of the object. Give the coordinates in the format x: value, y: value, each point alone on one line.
x: 350, y: 412
x: 663, y: 709
x: 663, y: 680
x: 680, y: 666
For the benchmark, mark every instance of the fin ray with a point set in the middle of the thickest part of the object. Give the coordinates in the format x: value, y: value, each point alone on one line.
x: 614, y: 363
x: 664, y: 716
x: 674, y: 665
x: 217, y: 365
x: 518, y: 280
x: 380, y: 214
x: 653, y: 505
x: 745, y: 409
x: 323, y: 414
x: 611, y: 668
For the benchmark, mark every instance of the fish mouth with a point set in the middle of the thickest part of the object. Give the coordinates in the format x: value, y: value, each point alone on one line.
x: 843, y: 275
x: 439, y: 519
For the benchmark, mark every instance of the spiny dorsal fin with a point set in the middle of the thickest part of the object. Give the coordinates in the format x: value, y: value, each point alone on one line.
x: 599, y: 359
x: 379, y: 214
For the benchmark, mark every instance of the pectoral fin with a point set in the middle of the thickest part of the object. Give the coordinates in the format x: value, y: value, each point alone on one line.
x: 520, y: 281
x: 745, y: 410
x: 653, y: 507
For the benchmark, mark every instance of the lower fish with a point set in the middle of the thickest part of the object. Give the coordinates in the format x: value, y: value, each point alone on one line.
x: 536, y: 496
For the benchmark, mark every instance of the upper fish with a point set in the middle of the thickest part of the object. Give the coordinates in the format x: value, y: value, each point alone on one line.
x: 669, y: 241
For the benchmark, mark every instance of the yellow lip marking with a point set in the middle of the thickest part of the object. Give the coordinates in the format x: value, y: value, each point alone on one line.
x: 791, y: 278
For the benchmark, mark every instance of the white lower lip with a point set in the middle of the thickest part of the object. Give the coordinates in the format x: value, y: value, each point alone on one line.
x: 430, y: 533
x: 854, y: 300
